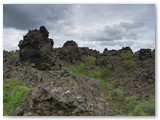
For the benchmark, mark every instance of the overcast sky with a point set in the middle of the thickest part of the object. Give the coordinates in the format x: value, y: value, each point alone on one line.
x: 94, y: 26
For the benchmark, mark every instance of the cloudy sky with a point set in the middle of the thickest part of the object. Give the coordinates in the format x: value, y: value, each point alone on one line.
x: 95, y: 26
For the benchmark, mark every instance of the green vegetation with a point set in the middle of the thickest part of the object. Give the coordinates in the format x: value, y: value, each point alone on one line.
x: 14, y: 53
x: 14, y: 92
x: 121, y: 104
x: 129, y: 105
x: 89, y: 59
x: 140, y: 108
x: 97, y: 72
x: 126, y: 55
x: 129, y: 64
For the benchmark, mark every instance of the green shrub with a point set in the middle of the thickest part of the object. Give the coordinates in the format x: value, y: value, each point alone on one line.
x: 89, y: 59
x: 126, y: 55
x: 14, y: 92
x: 140, y: 108
x: 118, y: 95
x: 131, y: 103
x: 128, y: 65
x: 100, y: 72
x: 148, y: 107
x: 77, y: 69
x: 14, y: 53
x: 138, y: 111
x: 97, y: 72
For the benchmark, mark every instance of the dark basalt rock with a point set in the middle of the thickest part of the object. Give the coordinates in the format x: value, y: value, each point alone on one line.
x: 110, y: 52
x: 70, y: 43
x: 69, y: 53
x: 44, y: 31
x: 105, y: 50
x: 59, y: 92
x: 145, y: 54
x: 64, y: 94
x: 85, y: 51
x: 37, y: 48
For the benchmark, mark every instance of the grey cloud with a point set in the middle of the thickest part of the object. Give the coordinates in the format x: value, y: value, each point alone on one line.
x: 131, y: 25
x: 32, y: 16
x: 123, y: 30
x: 98, y: 24
x: 118, y: 43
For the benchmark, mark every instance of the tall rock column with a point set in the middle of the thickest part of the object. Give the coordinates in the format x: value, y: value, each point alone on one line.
x: 37, y: 48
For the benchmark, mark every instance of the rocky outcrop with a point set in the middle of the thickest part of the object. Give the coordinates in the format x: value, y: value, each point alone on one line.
x: 124, y: 49
x: 85, y: 51
x: 137, y: 81
x: 145, y: 54
x: 110, y: 52
x: 59, y: 92
x: 116, y: 52
x: 65, y: 94
x: 56, y: 92
x: 69, y: 53
x: 70, y: 44
x: 37, y: 48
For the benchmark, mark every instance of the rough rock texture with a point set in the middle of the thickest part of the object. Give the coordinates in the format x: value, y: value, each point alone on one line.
x: 124, y: 49
x: 145, y: 54
x: 110, y: 52
x: 57, y: 92
x: 69, y: 52
x: 37, y: 48
x: 65, y: 94
x: 85, y: 51
x: 137, y: 81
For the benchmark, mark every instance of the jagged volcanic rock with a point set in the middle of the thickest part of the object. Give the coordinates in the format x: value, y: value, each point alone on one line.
x: 145, y: 54
x: 56, y: 92
x: 69, y: 53
x: 85, y: 51
x: 65, y: 94
x: 37, y: 48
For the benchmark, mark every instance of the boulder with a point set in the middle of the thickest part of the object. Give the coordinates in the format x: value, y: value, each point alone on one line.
x: 65, y: 95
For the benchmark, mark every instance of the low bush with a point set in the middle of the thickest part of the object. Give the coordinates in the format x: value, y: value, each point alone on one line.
x: 14, y: 53
x: 126, y: 55
x: 89, y: 59
x: 138, y: 111
x: 140, y: 108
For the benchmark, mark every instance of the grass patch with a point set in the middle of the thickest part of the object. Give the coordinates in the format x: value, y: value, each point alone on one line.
x: 14, y: 53
x: 14, y: 92
x: 97, y: 72
x: 121, y: 104
x: 89, y: 59
x: 126, y: 55
x: 135, y: 107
